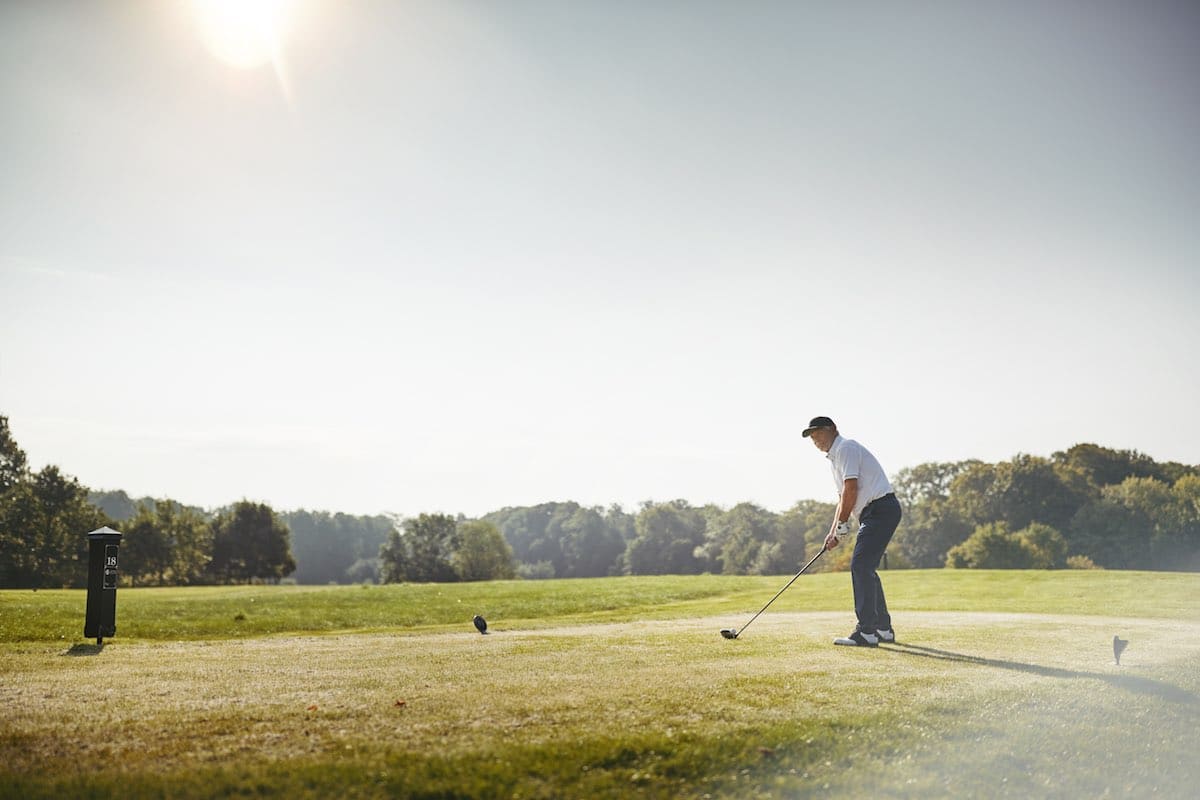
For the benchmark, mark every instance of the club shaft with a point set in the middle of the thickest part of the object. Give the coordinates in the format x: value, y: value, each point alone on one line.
x: 781, y: 591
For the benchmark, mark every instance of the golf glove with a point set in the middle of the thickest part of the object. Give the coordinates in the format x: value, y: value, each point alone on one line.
x: 842, y: 529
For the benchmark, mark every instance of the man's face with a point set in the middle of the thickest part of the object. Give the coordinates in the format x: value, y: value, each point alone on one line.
x: 823, y: 438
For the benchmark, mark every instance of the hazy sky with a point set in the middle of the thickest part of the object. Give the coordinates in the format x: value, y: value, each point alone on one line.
x: 447, y: 256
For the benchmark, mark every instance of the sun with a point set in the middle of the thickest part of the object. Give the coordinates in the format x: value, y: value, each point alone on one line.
x: 244, y: 34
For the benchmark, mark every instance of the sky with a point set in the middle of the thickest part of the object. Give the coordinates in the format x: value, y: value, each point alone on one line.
x: 455, y: 256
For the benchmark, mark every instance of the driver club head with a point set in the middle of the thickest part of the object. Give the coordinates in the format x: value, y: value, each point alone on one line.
x: 729, y: 633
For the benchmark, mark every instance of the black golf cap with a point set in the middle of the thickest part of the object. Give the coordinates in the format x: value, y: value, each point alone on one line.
x: 818, y: 422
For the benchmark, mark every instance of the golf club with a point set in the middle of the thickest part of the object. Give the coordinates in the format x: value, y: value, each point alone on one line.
x: 733, y: 633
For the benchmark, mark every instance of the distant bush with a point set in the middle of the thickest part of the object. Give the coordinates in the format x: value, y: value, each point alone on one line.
x: 540, y: 571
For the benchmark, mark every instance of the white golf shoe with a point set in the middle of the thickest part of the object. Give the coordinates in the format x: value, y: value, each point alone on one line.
x: 858, y: 639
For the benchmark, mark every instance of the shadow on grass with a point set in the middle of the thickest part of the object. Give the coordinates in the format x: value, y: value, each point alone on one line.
x: 84, y: 650
x: 1130, y: 683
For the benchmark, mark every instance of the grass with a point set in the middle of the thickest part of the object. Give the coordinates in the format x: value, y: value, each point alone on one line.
x: 1003, y: 685
x: 231, y: 612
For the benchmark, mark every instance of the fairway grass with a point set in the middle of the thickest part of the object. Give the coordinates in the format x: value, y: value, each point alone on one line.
x: 223, y: 612
x: 970, y: 703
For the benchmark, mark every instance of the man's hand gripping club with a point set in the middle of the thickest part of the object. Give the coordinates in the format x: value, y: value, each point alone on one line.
x: 837, y: 531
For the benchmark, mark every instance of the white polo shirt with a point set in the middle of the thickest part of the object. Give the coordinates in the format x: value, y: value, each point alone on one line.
x: 849, y: 459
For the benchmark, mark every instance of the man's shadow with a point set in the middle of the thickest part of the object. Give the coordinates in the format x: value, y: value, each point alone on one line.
x: 84, y: 650
x: 1132, y: 683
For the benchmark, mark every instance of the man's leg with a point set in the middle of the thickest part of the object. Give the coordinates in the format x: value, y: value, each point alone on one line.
x: 868, y: 550
x: 878, y: 524
x: 883, y: 620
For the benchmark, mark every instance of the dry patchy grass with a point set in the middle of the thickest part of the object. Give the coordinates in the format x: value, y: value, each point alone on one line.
x: 973, y: 702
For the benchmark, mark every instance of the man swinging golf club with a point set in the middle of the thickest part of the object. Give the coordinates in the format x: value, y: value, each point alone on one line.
x: 864, y: 492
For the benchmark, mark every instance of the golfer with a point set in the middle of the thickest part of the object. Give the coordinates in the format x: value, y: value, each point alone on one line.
x: 864, y: 492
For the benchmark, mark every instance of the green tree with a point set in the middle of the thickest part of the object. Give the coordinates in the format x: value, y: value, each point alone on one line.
x: 1102, y: 466
x: 422, y: 552
x: 624, y: 525
x: 933, y: 522
x: 1029, y: 489
x: 167, y: 543
x: 735, y: 539
x: 928, y: 531
x: 530, y: 533
x: 1186, y: 491
x: 1111, y: 534
x: 1163, y: 519
x: 590, y: 546
x: 971, y: 496
x: 668, y: 538
x: 621, y: 522
x: 575, y: 541
x: 991, y: 546
x: 44, y: 521
x: 146, y: 548
x: 191, y: 536
x: 482, y: 554
x: 1018, y: 492
x: 365, y: 570
x: 328, y: 546
x: 250, y: 543
x: 118, y: 505
x: 541, y: 571
x: 393, y: 558
x: 799, y: 534
x: 1047, y: 547
x: 929, y: 481
x: 1153, y: 503
x: 13, y: 467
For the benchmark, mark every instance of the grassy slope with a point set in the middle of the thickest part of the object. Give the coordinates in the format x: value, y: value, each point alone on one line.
x: 980, y: 700
x: 213, y: 612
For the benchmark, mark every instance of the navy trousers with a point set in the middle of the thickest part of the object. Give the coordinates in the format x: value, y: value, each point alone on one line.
x: 877, y: 524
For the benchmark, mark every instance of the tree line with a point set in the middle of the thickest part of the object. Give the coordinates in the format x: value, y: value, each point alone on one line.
x: 1085, y: 507
x: 45, y: 516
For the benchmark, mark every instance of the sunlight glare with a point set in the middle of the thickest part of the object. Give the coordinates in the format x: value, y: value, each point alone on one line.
x: 244, y: 34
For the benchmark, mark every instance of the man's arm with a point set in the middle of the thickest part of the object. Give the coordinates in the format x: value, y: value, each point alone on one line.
x: 844, y: 510
x: 849, y: 498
